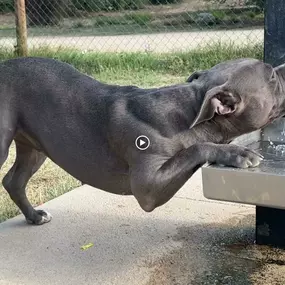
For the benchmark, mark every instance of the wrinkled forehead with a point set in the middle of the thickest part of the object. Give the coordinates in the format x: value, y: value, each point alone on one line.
x: 233, y: 64
x: 238, y: 70
x: 250, y: 77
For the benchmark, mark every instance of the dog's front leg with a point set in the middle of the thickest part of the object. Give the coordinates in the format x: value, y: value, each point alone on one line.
x: 155, y: 180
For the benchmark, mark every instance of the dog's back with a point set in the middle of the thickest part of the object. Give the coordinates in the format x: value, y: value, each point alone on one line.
x: 54, y: 108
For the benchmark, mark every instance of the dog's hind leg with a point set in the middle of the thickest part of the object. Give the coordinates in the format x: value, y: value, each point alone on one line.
x: 6, y: 138
x: 28, y: 161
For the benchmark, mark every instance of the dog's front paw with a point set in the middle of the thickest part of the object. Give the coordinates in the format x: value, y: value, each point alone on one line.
x: 41, y: 218
x: 237, y: 156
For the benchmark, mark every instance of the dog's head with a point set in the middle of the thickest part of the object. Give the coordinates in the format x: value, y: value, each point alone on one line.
x: 246, y: 93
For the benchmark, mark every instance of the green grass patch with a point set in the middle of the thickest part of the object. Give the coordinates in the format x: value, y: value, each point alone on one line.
x: 175, y: 64
x: 142, y: 69
x: 139, y: 18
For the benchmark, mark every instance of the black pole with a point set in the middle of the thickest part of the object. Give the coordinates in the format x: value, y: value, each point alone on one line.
x: 270, y: 222
x: 274, y: 32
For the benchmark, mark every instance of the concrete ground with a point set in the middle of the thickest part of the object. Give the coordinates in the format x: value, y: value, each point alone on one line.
x: 160, y: 42
x: 190, y: 240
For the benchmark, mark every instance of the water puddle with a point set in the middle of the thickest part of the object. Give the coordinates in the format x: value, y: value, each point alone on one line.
x: 220, y: 254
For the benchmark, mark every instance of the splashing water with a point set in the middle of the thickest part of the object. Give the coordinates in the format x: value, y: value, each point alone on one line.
x: 280, y: 150
x: 271, y: 147
x: 277, y: 150
x: 283, y: 131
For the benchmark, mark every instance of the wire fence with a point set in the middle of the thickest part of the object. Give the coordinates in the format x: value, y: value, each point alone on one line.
x: 134, y: 25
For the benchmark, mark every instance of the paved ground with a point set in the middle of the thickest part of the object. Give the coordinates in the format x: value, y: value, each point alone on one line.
x: 190, y: 240
x: 162, y: 42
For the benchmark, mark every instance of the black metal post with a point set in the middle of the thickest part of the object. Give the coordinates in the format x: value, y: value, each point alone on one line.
x: 270, y: 222
x: 274, y: 32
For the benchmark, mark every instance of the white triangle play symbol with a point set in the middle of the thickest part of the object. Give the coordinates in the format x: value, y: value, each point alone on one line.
x: 142, y: 142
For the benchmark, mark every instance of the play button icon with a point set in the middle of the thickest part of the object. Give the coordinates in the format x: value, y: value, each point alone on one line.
x: 142, y: 142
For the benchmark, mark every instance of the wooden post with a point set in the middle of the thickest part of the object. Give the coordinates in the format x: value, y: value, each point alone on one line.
x: 21, y: 48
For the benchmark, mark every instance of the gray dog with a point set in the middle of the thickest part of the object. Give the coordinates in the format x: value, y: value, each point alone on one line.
x: 90, y: 129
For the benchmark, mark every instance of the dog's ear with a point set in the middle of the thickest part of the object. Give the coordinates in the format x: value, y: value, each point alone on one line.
x: 218, y: 101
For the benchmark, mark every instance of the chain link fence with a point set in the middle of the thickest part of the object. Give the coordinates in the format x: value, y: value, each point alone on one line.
x: 134, y: 25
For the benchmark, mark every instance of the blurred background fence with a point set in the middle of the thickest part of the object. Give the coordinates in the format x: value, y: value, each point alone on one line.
x: 133, y: 25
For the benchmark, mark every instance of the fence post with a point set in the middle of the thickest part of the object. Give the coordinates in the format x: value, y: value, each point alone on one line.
x: 21, y: 48
x: 270, y: 222
x: 274, y: 33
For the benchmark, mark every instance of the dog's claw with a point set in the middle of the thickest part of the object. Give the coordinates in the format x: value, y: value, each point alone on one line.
x: 240, y: 157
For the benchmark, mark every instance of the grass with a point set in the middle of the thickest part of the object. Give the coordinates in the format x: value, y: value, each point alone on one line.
x: 98, y: 64
x: 142, y: 69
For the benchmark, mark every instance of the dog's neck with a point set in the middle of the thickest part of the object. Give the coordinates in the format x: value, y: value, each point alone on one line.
x: 187, y: 99
x: 182, y: 104
x: 217, y: 130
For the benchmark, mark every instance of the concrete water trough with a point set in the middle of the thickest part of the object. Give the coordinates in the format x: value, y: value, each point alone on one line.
x: 263, y: 186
